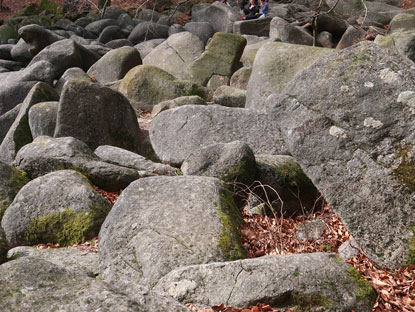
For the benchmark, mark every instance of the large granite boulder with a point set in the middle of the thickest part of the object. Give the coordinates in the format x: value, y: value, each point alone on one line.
x: 240, y: 78
x: 178, y: 132
x: 283, y: 31
x: 112, y: 33
x: 250, y: 51
x: 347, y: 119
x: 302, y: 282
x: 145, y: 86
x: 115, y: 64
x: 155, y: 227
x: 275, y: 65
x: 148, y: 30
x: 176, y: 53
x: 20, y: 52
x: 229, y: 96
x: 97, y: 26
x: 180, y: 101
x: 145, y: 47
x: 19, y: 133
x: 258, y: 27
x: 69, y: 74
x: 7, y: 119
x: 60, y: 207
x: 221, y: 57
x: 204, y: 30
x: 76, y: 291
x: 46, y: 154
x: 11, y: 181
x: 42, y: 118
x: 218, y: 14
x: 400, y: 42
x: 65, y: 54
x: 16, y: 85
x: 7, y: 32
x: 101, y: 116
x: 37, y: 37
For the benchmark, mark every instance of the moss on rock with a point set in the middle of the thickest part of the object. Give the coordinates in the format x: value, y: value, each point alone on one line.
x: 411, y: 248
x: 364, y: 291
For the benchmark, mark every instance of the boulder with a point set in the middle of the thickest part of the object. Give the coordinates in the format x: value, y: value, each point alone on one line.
x: 229, y: 96
x: 250, y: 51
x: 301, y: 282
x: 175, y: 28
x: 7, y: 119
x: 16, y: 85
x: 121, y: 157
x: 5, y: 51
x: 355, y: 143
x: 204, y: 30
x: 115, y: 64
x: 65, y: 54
x: 180, y: 101
x: 240, y: 78
x: 274, y: 67
x: 221, y: 57
x: 351, y: 36
x: 20, y: 52
x: 7, y: 32
x: 10, y: 65
x: 60, y: 207
x: 155, y: 227
x: 325, y: 38
x: 145, y: 85
x: 101, y: 116
x: 258, y: 27
x: 37, y: 37
x: 176, y: 53
x: 19, y: 133
x: 402, y: 22
x: 46, y: 154
x: 113, y: 12
x: 12, y: 180
x: 348, y: 10
x: 42, y: 118
x: 3, y: 247
x: 148, y: 30
x: 218, y: 14
x: 70, y: 74
x: 145, y: 47
x: 178, y: 132
x: 283, y: 31
x: 232, y: 162
x: 76, y: 290
x: 119, y: 43
x: 149, y: 15
x: 399, y: 42
x: 125, y: 21
x: 111, y: 33
x: 284, y: 187
x: 98, y: 26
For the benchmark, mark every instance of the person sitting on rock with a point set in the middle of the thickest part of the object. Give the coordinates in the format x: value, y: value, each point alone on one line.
x: 252, y: 10
x: 263, y: 11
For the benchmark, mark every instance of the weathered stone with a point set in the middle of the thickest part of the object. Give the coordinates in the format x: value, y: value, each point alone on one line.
x: 275, y: 66
x: 218, y: 14
x: 153, y: 247
x: 240, y: 78
x: 46, y: 154
x: 302, y: 282
x: 204, y: 30
x: 352, y: 35
x: 3, y: 246
x: 325, y: 39
x: 149, y: 15
x: 11, y: 65
x: 101, y: 116
x: 178, y: 132
x: 65, y: 54
x: 38, y: 37
x: 229, y: 96
x: 19, y: 133
x: 145, y: 85
x: 122, y: 157
x: 7, y: 119
x: 110, y: 33
x: 60, y: 207
x: 119, y: 43
x: 113, y: 12
x: 42, y: 118
x: 5, y: 51
x: 180, y: 101
x: 145, y: 47
x: 115, y: 64
x: 402, y: 22
x: 70, y: 74
x: 221, y: 57
x: 176, y: 53
x: 7, y: 32
x: 99, y: 25
x: 250, y: 52
x: 355, y: 143
x: 258, y: 27
x: 285, y: 32
x: 148, y: 30
x: 20, y: 52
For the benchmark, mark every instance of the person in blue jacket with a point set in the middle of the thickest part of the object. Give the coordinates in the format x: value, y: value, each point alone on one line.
x: 263, y: 11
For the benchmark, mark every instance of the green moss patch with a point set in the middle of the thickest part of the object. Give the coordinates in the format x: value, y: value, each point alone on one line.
x: 66, y: 228
x: 364, y: 291
x: 411, y: 248
x: 230, y: 240
x: 290, y: 174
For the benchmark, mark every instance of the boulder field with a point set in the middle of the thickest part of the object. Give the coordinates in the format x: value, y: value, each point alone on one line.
x: 181, y: 117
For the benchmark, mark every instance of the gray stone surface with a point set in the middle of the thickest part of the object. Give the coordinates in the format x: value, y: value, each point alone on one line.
x: 145, y: 47
x: 229, y: 162
x: 145, y: 86
x: 115, y: 64
x: 275, y: 65
x: 119, y: 43
x: 42, y: 118
x: 229, y: 96
x: 3, y: 247
x: 101, y: 116
x: 69, y: 74
x: 65, y: 54
x: 348, y: 249
x: 46, y: 154
x: 60, y: 207
x: 37, y: 37
x: 302, y: 282
x: 177, y: 132
x: 111, y: 33
x: 250, y: 51
x: 176, y: 53
x: 204, y: 30
x: 241, y: 77
x: 258, y: 27
x: 124, y: 158
x: 221, y: 57
x: 7, y: 119
x: 37, y: 283
x: 347, y: 119
x: 99, y: 25
x: 351, y: 36
x: 147, y: 31
x: 218, y: 14
x: 19, y: 132
x: 138, y: 247
x: 20, y: 52
x: 180, y: 101
x: 281, y: 30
